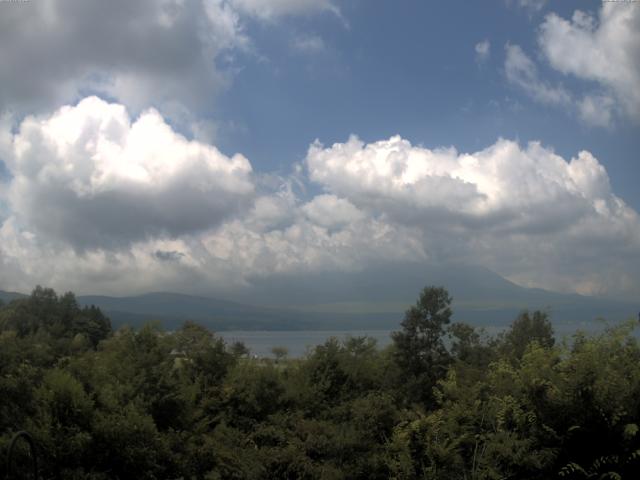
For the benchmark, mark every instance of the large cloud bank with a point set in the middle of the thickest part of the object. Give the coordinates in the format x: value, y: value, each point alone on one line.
x: 147, y: 52
x: 502, y: 188
x: 525, y: 212
x: 89, y: 177
x: 125, y: 204
x: 174, y: 55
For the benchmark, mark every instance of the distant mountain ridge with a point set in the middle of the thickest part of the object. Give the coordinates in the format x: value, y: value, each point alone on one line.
x: 372, y: 299
x: 468, y: 284
x: 6, y: 297
x: 172, y: 309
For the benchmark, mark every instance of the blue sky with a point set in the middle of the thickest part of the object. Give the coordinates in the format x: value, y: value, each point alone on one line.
x: 208, y: 145
x: 407, y: 68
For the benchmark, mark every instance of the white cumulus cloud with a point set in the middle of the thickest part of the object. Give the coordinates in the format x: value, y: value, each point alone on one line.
x: 604, y: 49
x: 89, y: 175
x: 99, y: 201
x: 525, y: 212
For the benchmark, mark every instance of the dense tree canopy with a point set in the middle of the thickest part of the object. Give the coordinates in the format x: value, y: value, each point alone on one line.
x: 443, y: 401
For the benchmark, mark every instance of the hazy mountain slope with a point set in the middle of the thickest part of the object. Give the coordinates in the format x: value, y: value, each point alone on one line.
x: 383, y: 284
x: 372, y: 299
x: 173, y: 308
x: 6, y: 297
x: 474, y: 288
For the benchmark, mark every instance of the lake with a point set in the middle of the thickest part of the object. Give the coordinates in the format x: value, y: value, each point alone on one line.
x: 297, y: 342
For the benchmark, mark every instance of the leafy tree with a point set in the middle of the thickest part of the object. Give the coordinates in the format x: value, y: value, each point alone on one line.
x: 239, y: 349
x: 252, y: 393
x: 62, y: 422
x: 128, y: 445
x: 601, y: 412
x: 338, y: 371
x: 419, y: 348
x: 425, y: 448
x: 469, y: 346
x: 525, y: 329
x: 60, y: 318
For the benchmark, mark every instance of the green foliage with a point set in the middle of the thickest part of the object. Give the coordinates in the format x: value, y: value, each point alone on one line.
x: 55, y: 320
x: 419, y: 347
x: 525, y: 329
x: 252, y: 393
x: 152, y: 404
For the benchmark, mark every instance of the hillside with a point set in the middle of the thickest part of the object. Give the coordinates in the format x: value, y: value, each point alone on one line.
x: 6, y: 297
x: 373, y: 299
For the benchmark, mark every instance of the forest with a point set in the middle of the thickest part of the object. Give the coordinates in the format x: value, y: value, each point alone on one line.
x: 443, y: 401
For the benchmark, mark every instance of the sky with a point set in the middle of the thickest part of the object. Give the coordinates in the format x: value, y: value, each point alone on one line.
x: 198, y: 146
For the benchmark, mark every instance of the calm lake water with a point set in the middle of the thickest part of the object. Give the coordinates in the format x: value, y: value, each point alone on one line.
x: 297, y: 342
